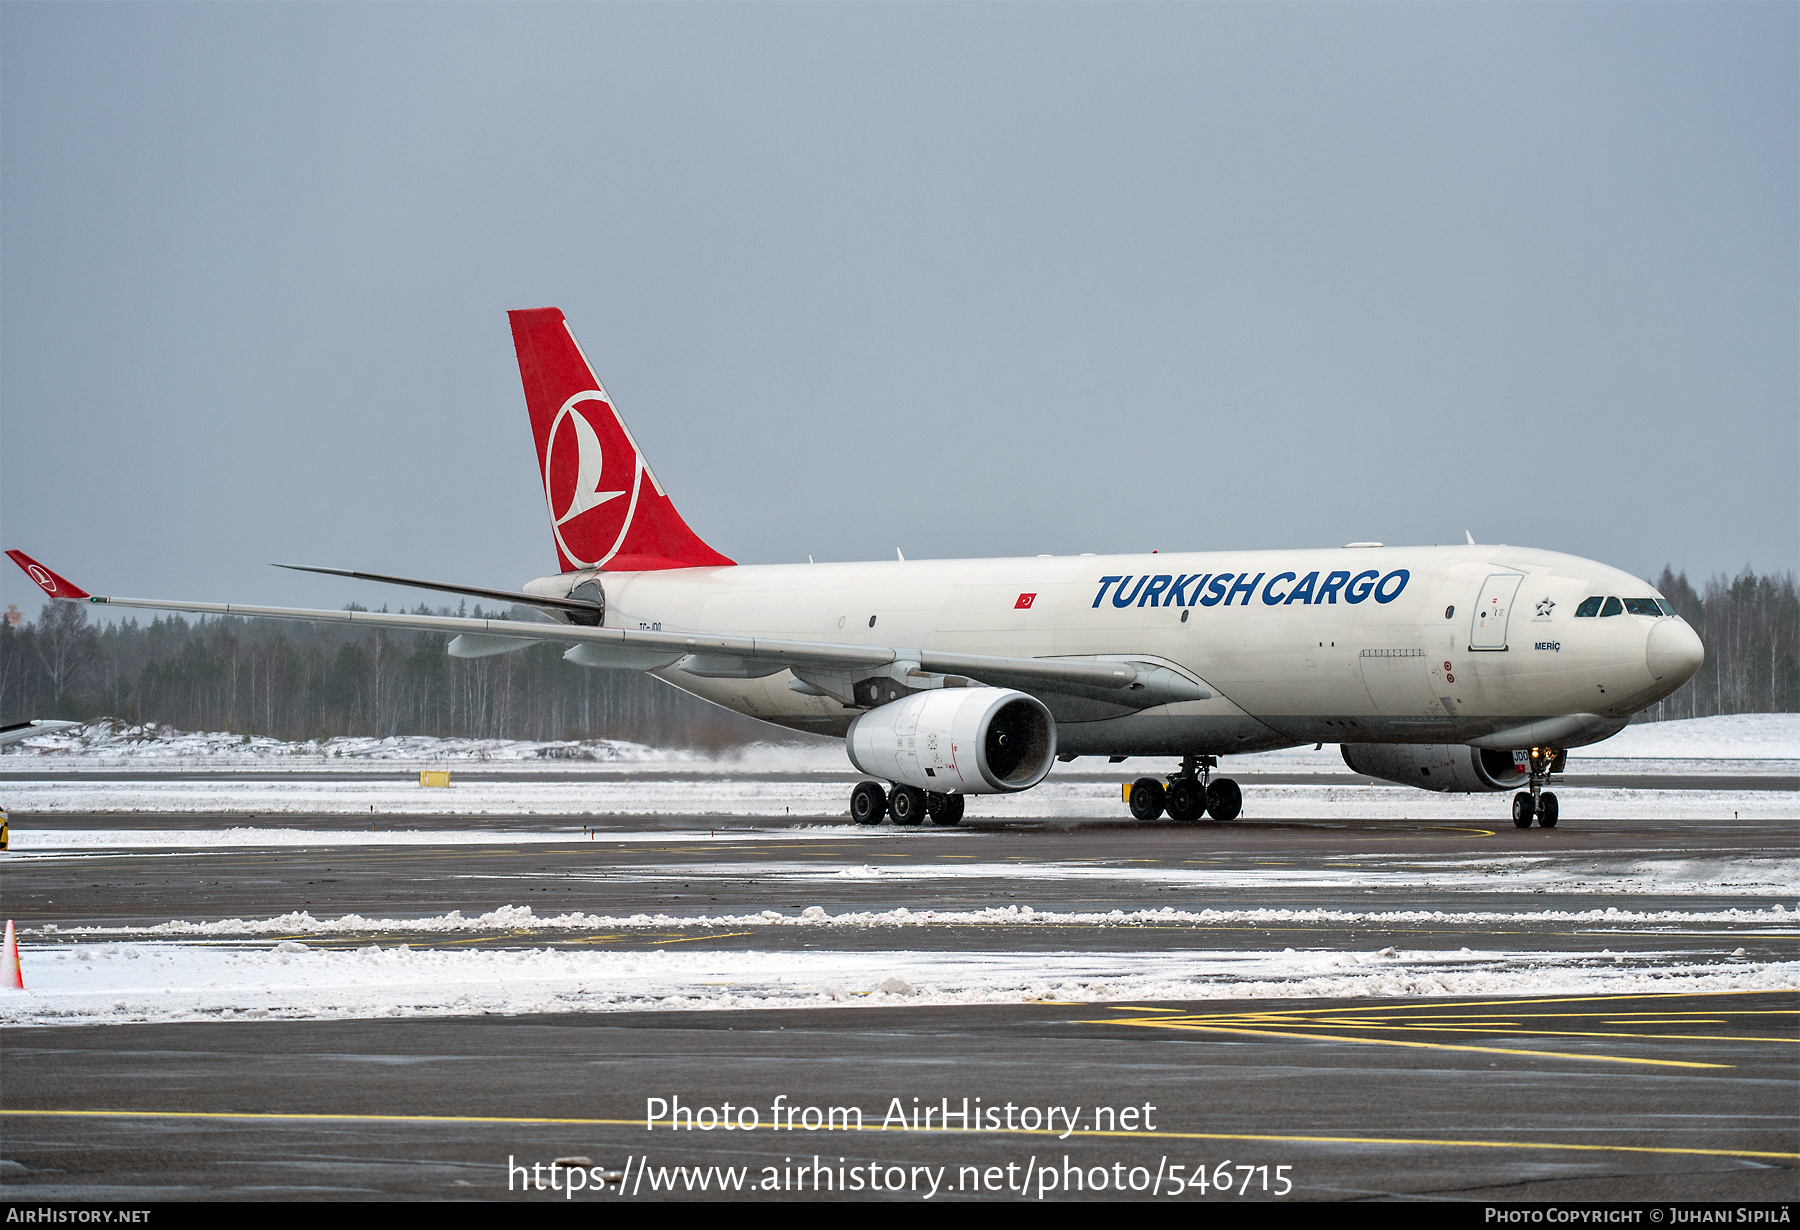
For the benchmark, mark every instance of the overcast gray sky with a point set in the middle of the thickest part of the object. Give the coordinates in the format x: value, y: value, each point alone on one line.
x: 962, y: 279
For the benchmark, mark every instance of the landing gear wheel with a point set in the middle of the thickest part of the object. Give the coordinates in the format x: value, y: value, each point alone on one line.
x: 1224, y: 801
x: 906, y: 804
x: 1523, y: 811
x: 1186, y: 799
x: 1547, y: 810
x: 868, y: 803
x: 944, y: 808
x: 1146, y: 798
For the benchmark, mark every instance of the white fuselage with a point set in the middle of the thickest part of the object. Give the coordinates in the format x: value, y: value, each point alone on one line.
x: 1345, y: 645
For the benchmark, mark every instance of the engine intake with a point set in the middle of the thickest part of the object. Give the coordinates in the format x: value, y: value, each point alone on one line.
x: 1437, y: 766
x: 957, y: 741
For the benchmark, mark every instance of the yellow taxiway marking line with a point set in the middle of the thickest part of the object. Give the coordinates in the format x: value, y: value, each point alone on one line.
x: 1459, y: 1022
x: 430, y: 944
x: 1304, y: 1023
x: 1508, y: 1003
x: 1427, y: 1019
x: 1426, y: 1027
x: 1262, y: 1137
x: 1610, y: 1018
x: 688, y: 939
x: 1587, y: 1033
x: 479, y: 939
x: 1263, y: 1032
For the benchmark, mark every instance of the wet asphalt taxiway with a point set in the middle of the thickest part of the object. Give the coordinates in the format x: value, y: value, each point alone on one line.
x: 1598, y: 1097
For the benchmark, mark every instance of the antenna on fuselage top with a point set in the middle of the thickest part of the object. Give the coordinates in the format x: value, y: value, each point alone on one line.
x: 1470, y: 537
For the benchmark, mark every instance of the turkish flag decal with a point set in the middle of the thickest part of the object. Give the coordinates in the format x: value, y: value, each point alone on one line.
x: 1024, y: 602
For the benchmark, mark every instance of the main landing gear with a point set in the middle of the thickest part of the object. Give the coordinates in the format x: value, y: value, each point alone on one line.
x: 1535, y: 802
x: 1191, y: 791
x: 906, y: 805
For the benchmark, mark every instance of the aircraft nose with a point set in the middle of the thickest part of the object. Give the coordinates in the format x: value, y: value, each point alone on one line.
x: 1673, y: 652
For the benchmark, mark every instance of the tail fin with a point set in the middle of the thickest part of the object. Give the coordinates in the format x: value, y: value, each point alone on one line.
x: 606, y: 508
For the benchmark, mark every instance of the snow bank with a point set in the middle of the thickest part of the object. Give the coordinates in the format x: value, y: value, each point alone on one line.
x: 104, y: 744
x: 523, y: 919
x: 1754, y: 736
x: 149, y: 981
x: 1741, y: 736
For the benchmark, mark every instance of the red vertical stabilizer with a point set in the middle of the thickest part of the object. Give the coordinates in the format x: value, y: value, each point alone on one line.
x: 606, y: 508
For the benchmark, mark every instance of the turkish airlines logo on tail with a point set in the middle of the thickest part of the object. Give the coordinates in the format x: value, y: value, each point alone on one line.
x: 45, y: 581
x: 583, y: 479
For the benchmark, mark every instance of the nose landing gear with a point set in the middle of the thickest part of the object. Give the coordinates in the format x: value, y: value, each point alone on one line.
x: 1536, y: 802
x: 1190, y: 793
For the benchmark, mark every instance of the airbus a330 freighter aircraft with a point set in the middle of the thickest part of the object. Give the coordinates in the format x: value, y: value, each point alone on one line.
x: 1462, y: 668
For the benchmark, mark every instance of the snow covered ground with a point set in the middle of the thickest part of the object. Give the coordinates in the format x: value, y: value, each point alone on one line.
x: 232, y: 969
x: 162, y: 981
x: 1742, y: 736
x: 1772, y: 740
x: 237, y: 969
x: 523, y: 920
x: 150, y: 749
x: 380, y: 782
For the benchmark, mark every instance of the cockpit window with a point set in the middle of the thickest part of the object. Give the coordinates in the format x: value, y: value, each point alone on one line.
x: 1613, y: 607
x: 1589, y: 607
x: 1666, y: 608
x: 1643, y: 606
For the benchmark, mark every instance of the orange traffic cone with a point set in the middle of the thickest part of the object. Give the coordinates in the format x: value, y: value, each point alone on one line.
x: 13, y: 975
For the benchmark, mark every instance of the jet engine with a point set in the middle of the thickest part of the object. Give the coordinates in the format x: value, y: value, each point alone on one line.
x: 1437, y: 766
x: 957, y: 741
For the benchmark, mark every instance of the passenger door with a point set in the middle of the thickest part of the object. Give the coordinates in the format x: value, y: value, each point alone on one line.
x: 1487, y: 626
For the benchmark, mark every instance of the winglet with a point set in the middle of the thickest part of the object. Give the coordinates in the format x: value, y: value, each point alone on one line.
x: 49, y: 582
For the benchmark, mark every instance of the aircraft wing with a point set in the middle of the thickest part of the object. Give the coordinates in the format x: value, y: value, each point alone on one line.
x: 835, y: 669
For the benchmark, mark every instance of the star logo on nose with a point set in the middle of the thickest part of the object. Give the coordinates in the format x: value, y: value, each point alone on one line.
x: 1545, y: 606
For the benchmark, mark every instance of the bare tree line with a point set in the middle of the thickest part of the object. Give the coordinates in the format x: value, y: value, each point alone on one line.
x: 1751, y: 627
x: 297, y: 680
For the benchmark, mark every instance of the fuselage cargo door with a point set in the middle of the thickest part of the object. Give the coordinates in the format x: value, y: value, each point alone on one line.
x: 1487, y: 628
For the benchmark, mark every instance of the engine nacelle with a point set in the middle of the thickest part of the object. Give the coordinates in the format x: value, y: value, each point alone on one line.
x: 1437, y: 766
x: 957, y: 741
